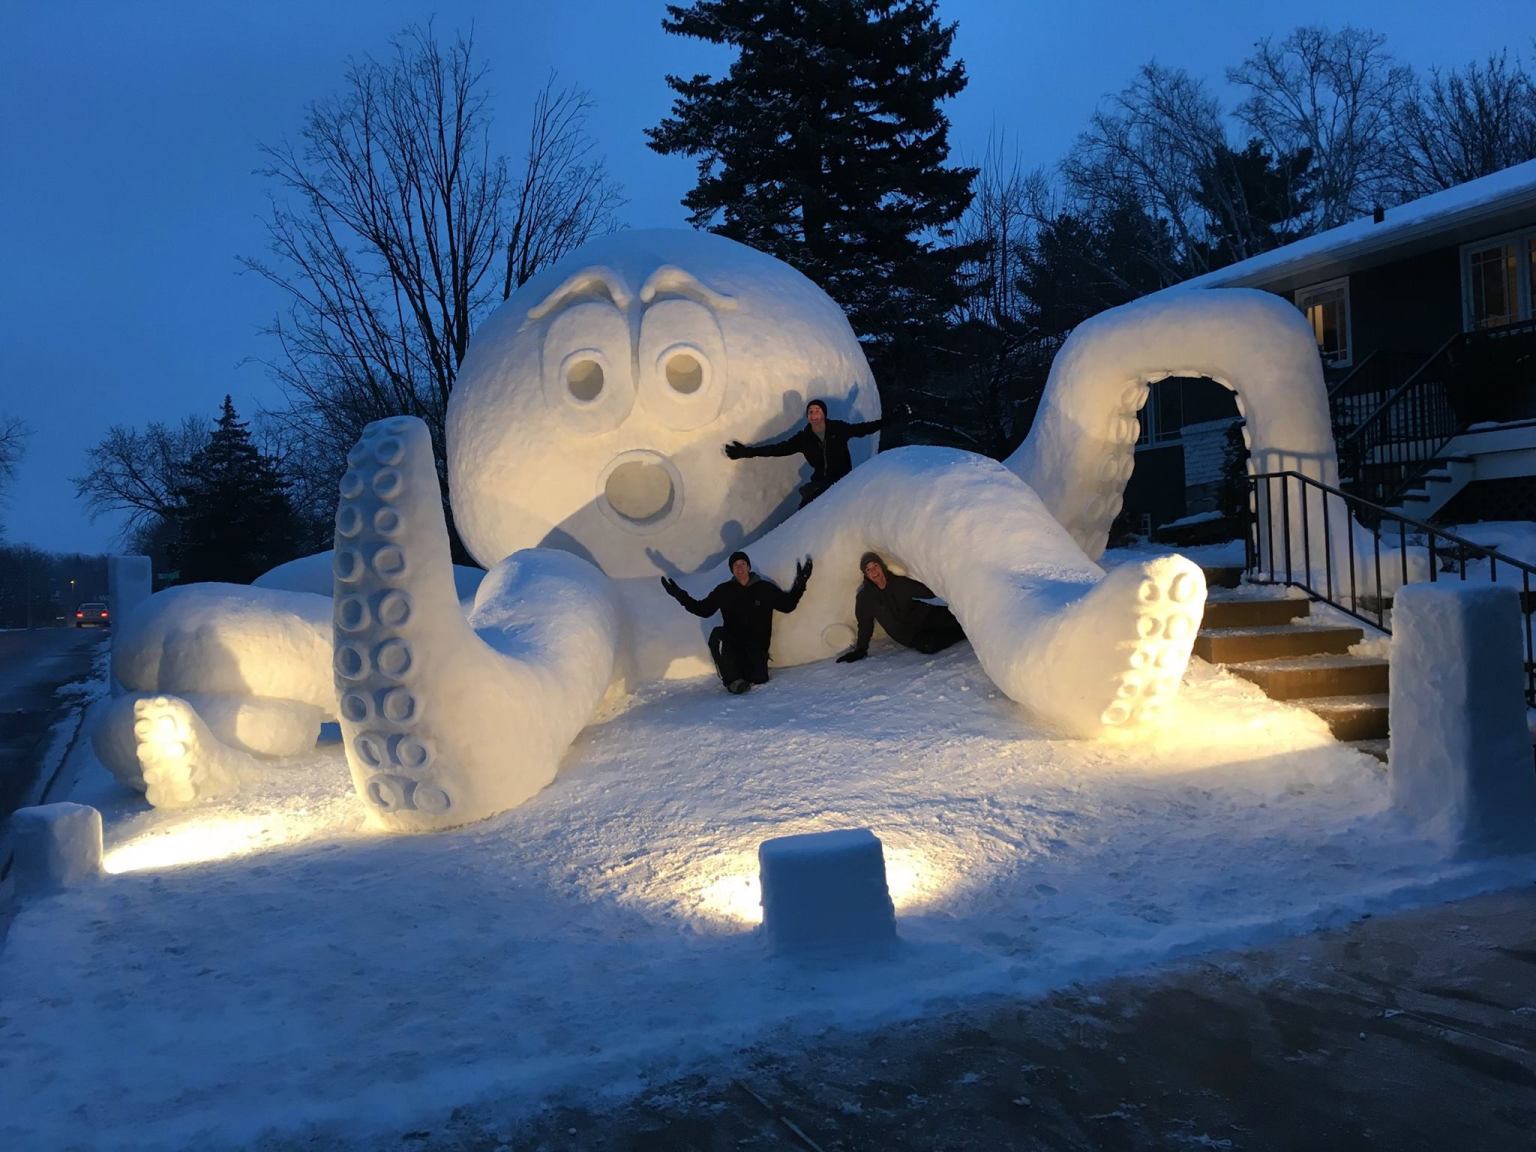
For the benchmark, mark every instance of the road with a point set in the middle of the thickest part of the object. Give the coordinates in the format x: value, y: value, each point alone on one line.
x: 1400, y: 1033
x: 33, y: 664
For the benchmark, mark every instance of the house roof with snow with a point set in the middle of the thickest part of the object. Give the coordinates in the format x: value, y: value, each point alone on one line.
x: 1480, y: 208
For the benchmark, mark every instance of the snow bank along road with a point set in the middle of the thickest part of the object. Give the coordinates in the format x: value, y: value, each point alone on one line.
x: 270, y: 967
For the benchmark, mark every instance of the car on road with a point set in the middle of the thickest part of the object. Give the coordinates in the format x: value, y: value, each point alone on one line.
x: 92, y: 615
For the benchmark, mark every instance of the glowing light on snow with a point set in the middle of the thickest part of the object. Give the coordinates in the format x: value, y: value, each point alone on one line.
x: 204, y: 839
x: 915, y: 878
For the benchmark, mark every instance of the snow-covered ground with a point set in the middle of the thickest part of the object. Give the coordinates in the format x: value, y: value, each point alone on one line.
x: 270, y: 965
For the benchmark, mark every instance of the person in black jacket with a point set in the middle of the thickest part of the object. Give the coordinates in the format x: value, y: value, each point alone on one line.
x: 823, y: 442
x: 746, y: 603
x: 898, y: 603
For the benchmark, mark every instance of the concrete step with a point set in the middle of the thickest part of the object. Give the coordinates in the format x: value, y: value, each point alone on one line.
x: 1303, y: 677
x: 1222, y: 577
x: 1252, y: 613
x: 1272, y: 642
x: 1352, y: 717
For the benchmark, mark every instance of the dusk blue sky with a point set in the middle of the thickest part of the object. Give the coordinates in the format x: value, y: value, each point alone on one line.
x: 131, y: 128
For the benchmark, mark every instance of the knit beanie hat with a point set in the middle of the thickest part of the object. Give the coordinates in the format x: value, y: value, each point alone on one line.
x: 822, y: 404
x: 867, y: 557
x: 735, y: 556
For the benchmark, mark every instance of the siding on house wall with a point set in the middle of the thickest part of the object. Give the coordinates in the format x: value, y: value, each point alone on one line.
x: 1205, y: 446
x: 1411, y: 305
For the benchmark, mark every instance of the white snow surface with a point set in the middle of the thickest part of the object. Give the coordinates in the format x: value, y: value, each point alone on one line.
x: 269, y: 965
x: 1461, y: 757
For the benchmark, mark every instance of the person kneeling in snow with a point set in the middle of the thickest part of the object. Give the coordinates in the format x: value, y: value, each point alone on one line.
x: 901, y: 606
x: 746, y: 603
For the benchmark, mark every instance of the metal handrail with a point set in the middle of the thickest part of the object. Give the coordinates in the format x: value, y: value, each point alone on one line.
x: 1431, y: 426
x: 1347, y: 598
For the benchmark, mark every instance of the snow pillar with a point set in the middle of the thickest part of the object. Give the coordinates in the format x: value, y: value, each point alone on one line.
x: 826, y: 892
x: 57, y: 846
x: 1461, y: 753
x: 129, y: 580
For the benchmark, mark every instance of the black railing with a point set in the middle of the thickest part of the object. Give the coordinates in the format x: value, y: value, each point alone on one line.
x: 1357, y: 396
x: 1393, y: 445
x: 1352, y: 554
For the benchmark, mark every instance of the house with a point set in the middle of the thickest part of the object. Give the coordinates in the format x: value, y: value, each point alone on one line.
x: 1425, y: 317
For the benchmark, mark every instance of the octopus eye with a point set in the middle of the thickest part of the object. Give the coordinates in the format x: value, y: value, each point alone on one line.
x: 584, y: 378
x: 684, y: 373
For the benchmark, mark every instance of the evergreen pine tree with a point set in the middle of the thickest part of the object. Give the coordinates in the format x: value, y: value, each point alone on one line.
x: 1254, y: 201
x: 234, y: 515
x: 824, y: 145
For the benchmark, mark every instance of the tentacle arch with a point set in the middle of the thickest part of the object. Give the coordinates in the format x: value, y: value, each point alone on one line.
x: 1081, y: 450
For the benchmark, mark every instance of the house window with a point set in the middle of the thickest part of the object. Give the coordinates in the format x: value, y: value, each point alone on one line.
x: 1327, y: 310
x: 1162, y: 417
x: 1496, y: 280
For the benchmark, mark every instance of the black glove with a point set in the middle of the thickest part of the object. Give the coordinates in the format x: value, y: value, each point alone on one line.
x: 672, y: 588
x: 803, y: 572
x: 735, y: 449
x: 904, y: 411
x: 851, y: 655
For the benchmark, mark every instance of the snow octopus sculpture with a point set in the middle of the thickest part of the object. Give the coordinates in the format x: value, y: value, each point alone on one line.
x: 584, y: 460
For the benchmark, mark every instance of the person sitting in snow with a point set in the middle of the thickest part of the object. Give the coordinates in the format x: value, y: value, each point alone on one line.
x: 746, y: 603
x: 823, y: 442
x: 903, y: 607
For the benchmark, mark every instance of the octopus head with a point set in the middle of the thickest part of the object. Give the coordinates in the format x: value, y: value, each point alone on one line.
x: 591, y: 409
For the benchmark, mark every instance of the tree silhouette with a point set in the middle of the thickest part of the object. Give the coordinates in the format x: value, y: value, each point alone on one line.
x: 233, y: 510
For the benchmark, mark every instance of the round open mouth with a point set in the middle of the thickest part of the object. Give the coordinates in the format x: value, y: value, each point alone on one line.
x: 641, y: 490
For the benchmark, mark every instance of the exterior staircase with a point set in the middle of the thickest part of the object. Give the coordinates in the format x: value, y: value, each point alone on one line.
x: 1273, y: 643
x: 1433, y: 490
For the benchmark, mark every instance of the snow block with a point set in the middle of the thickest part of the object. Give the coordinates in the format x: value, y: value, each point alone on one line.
x: 826, y: 892
x: 57, y: 846
x: 1461, y: 754
x: 130, y: 579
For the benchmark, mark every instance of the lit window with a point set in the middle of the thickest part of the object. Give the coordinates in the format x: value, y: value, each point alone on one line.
x: 1496, y: 278
x: 1327, y: 309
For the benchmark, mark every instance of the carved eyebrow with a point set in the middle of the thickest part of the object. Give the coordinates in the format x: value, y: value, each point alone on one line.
x: 671, y: 278
x: 604, y: 281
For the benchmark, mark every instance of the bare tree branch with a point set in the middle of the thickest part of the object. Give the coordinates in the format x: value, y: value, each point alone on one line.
x: 1334, y: 93
x: 138, y: 473
x: 1466, y: 123
x: 1148, y: 144
x: 395, y: 227
x: 565, y: 196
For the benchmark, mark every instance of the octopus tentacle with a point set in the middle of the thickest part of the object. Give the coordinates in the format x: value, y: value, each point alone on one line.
x: 1079, y: 650
x: 1080, y: 450
x: 448, y: 721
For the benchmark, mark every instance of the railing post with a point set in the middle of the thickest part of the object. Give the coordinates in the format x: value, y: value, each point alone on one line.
x: 1285, y: 518
x: 1327, y: 545
x: 1306, y: 540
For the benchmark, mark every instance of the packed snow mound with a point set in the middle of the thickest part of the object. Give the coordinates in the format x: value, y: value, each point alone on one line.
x: 1081, y: 449
x: 602, y: 938
x: 591, y: 410
x: 1461, y: 750
x: 228, y: 640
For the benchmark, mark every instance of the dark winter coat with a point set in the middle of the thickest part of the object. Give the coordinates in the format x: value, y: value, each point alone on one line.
x: 828, y: 456
x: 899, y: 608
x: 746, y: 610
